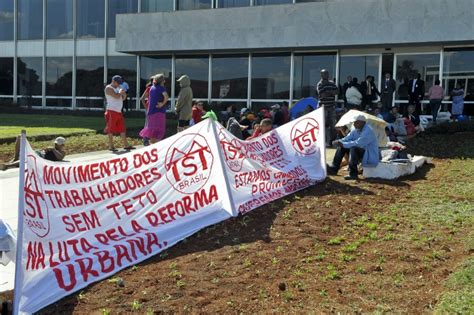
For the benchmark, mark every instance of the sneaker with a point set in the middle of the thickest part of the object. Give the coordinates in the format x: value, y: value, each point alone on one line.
x: 349, y: 177
x: 146, y: 142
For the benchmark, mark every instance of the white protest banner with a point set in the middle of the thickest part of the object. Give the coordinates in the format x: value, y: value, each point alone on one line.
x: 280, y: 162
x: 84, y: 222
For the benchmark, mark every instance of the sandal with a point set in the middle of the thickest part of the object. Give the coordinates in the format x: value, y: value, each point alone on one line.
x: 113, y: 149
x: 128, y: 148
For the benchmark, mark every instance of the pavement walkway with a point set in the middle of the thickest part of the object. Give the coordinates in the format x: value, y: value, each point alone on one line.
x: 9, y: 187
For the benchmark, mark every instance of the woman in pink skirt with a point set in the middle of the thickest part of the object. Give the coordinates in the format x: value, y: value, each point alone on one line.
x: 155, y: 126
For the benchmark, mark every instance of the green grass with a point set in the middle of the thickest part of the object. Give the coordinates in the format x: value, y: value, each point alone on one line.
x: 41, y: 125
x: 459, y: 297
x: 83, y: 134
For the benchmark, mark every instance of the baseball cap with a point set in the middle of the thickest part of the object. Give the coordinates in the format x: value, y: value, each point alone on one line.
x: 59, y: 140
x: 117, y: 79
x: 360, y: 118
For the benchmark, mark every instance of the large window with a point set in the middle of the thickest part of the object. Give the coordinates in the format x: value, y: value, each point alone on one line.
x: 30, y: 70
x: 265, y: 2
x: 409, y: 66
x: 157, y: 5
x: 270, y: 77
x: 119, y: 7
x: 149, y: 66
x: 126, y: 67
x: 197, y: 68
x: 6, y: 76
x: 194, y: 4
x: 459, y: 68
x: 230, y: 77
x: 59, y: 19
x: 59, y: 76
x: 30, y: 19
x: 359, y: 67
x: 90, y: 76
x: 6, y: 20
x: 232, y: 3
x: 307, y: 72
x: 90, y: 18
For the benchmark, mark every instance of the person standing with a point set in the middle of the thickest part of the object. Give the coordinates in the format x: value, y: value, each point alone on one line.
x: 388, y: 88
x: 345, y: 86
x: 125, y: 87
x: 155, y: 126
x: 416, y: 92
x: 144, y: 99
x: 458, y: 100
x: 184, y: 104
x: 326, y: 91
x: 353, y: 96
x: 369, y: 91
x: 435, y: 94
x: 115, y: 123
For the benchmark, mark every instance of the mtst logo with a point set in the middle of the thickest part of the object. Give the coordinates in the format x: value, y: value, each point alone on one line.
x: 36, y: 214
x: 233, y: 151
x: 304, y: 135
x: 189, y: 163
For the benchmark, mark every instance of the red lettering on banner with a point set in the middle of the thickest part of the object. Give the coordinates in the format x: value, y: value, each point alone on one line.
x: 113, y: 234
x: 183, y: 207
x: 189, y: 163
x: 246, y: 178
x: 58, y: 273
x: 122, y: 253
x: 137, y: 228
x: 36, y: 256
x: 145, y: 158
x: 127, y: 204
x: 304, y: 135
x: 80, y: 222
x: 103, y: 257
x: 85, y: 267
x: 36, y: 212
x: 102, y: 191
x: 58, y: 175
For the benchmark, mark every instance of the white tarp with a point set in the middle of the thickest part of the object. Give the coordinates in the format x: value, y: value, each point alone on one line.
x: 83, y: 222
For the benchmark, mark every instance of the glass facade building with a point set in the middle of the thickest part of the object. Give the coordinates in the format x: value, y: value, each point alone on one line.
x: 61, y: 53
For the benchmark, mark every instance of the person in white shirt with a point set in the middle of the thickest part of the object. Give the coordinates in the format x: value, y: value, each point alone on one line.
x: 115, y: 123
x: 353, y: 96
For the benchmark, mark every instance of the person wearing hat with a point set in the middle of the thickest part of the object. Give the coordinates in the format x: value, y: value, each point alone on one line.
x: 362, y: 146
x: 55, y: 153
x: 184, y: 104
x: 114, y: 121
x: 155, y: 126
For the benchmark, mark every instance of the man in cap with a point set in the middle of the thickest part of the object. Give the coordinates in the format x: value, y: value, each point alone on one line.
x: 326, y: 91
x: 55, y: 153
x: 115, y: 123
x: 184, y: 104
x: 362, y: 146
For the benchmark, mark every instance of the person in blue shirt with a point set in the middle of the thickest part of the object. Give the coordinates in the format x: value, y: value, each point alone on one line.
x: 362, y: 146
x: 126, y: 87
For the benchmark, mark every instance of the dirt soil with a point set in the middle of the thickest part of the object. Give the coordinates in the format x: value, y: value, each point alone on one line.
x: 336, y: 247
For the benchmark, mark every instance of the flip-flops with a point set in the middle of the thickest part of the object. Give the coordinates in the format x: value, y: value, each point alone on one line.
x: 112, y: 149
x: 129, y: 148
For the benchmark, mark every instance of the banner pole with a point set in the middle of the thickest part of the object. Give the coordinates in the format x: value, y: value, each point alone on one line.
x: 19, y: 238
x: 219, y: 150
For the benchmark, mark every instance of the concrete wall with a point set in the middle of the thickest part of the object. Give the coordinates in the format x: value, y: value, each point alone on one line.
x: 340, y: 23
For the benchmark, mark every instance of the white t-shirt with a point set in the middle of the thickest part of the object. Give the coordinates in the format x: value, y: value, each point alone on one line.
x: 113, y: 104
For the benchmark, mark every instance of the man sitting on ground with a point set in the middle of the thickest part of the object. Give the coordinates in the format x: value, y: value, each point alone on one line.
x: 56, y: 153
x: 265, y: 126
x: 362, y: 146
